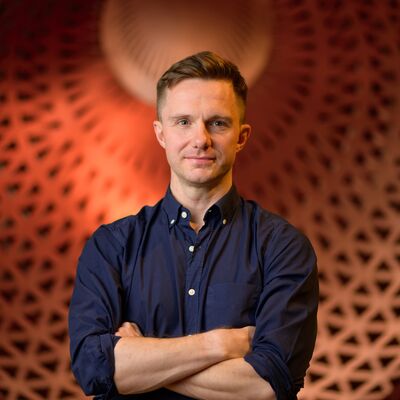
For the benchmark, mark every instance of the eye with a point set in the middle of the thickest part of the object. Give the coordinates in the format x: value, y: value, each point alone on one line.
x: 183, y: 122
x: 218, y: 123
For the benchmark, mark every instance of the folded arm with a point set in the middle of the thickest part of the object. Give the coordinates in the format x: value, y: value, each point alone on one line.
x: 227, y: 380
x: 144, y: 364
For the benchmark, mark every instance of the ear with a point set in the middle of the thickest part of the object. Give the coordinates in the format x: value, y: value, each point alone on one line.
x: 244, y: 134
x: 158, y: 130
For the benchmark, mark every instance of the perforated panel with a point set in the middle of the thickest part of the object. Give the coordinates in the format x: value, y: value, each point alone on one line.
x: 77, y: 151
x: 327, y: 155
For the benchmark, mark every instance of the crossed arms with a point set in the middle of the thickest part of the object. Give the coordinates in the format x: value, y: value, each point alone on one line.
x: 209, y: 365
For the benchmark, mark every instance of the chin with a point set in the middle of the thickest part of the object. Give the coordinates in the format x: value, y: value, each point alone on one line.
x: 204, y: 181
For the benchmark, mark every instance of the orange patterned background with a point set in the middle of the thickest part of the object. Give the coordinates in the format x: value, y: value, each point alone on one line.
x: 77, y: 150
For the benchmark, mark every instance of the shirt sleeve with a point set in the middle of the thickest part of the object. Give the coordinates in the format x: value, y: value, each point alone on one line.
x: 95, y: 314
x: 286, y: 316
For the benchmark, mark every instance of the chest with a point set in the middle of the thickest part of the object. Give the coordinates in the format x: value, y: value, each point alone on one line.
x: 183, y: 284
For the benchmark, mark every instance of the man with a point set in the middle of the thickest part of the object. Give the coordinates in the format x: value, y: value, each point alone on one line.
x: 205, y: 295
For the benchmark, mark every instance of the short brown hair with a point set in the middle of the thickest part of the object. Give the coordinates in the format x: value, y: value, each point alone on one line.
x: 203, y: 65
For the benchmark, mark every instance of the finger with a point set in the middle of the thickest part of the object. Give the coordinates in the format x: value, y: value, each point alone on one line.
x: 133, y: 329
x: 123, y: 332
x: 136, y: 328
x: 128, y: 329
x: 250, y: 331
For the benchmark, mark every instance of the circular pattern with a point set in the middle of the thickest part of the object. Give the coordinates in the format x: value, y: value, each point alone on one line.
x: 142, y: 39
x: 77, y: 151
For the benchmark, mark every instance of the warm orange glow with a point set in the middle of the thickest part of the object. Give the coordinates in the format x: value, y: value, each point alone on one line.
x: 78, y: 151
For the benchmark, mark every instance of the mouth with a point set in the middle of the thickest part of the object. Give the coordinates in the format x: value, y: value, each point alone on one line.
x: 200, y: 159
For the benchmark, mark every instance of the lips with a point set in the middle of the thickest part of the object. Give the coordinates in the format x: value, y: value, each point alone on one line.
x: 200, y: 158
x: 201, y: 161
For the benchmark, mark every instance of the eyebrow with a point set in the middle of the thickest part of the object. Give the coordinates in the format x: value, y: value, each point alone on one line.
x: 178, y: 116
x: 217, y: 116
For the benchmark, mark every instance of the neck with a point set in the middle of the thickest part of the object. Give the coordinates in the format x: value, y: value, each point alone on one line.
x: 199, y: 198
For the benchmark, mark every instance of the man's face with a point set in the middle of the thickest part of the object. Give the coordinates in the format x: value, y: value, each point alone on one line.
x: 201, y: 132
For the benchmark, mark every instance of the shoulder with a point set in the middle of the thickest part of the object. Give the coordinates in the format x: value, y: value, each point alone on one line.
x: 268, y: 222
x: 276, y: 235
x: 122, y: 230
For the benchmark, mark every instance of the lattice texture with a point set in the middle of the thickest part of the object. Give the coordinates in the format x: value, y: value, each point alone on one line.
x: 76, y: 151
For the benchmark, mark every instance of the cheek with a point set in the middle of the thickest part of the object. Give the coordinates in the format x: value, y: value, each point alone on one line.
x: 228, y: 149
x: 172, y: 149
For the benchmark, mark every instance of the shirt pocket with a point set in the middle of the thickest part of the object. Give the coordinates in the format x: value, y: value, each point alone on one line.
x: 230, y: 305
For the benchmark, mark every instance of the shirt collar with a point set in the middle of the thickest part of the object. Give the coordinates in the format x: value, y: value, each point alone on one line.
x: 171, y: 207
x: 225, y: 207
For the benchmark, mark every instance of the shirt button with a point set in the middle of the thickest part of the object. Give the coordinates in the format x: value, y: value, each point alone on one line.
x: 191, y: 248
x: 172, y: 221
x: 224, y: 221
x: 183, y: 214
x: 191, y: 292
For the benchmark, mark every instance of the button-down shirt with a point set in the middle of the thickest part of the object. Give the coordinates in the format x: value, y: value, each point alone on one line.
x: 246, y: 266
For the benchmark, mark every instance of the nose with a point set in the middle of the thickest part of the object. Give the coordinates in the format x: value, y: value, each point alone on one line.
x: 201, y: 137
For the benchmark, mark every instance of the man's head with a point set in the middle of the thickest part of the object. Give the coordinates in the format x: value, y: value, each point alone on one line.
x: 205, y: 65
x: 201, y: 102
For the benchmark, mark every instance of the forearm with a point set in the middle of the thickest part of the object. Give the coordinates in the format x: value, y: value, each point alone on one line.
x: 143, y: 364
x: 227, y: 380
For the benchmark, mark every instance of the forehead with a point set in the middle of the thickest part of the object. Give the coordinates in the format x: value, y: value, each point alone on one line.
x: 200, y: 93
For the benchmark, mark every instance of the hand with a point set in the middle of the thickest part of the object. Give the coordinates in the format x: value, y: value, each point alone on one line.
x: 128, y: 329
x: 235, y: 342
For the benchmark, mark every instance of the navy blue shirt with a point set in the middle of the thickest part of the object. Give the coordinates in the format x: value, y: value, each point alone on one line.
x: 246, y: 266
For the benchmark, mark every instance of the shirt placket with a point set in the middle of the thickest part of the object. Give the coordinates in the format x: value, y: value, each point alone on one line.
x: 196, y: 249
